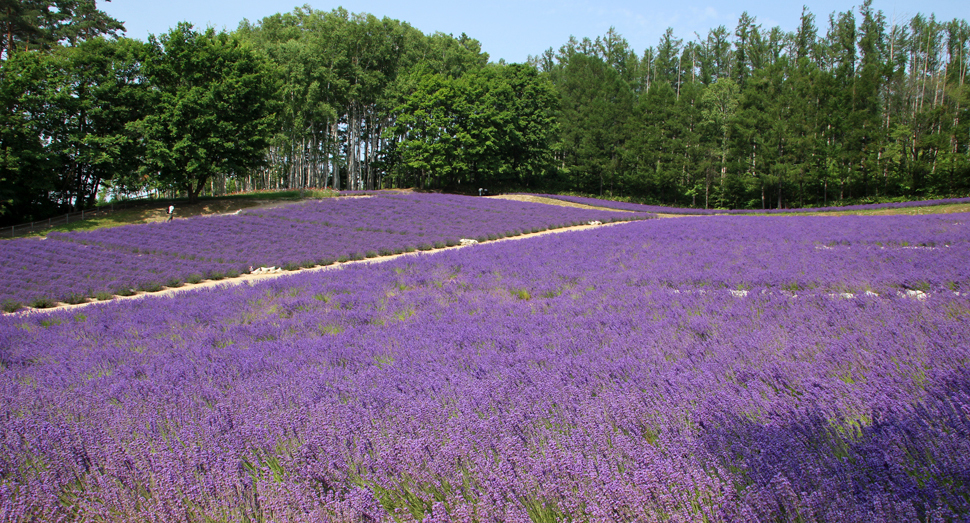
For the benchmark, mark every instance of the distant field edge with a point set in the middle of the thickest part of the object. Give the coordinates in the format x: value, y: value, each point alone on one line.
x: 935, y: 206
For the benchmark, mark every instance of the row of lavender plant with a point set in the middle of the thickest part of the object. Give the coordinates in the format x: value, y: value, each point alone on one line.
x: 40, y: 273
x: 81, y: 265
x: 559, y: 378
x: 321, y: 230
x: 636, y: 207
x: 449, y: 216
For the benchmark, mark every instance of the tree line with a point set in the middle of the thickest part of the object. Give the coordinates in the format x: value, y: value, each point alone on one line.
x: 762, y: 118
x: 87, y: 112
x: 863, y: 107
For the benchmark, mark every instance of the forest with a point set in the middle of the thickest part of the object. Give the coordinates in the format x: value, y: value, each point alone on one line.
x: 854, y: 107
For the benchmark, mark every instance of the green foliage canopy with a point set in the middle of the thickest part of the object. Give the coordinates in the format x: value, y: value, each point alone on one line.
x: 213, y: 105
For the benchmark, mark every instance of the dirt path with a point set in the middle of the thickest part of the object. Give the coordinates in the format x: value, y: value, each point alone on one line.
x: 253, y: 278
x: 563, y: 203
x: 551, y: 201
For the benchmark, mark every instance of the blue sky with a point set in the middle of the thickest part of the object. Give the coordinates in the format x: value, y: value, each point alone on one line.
x: 515, y: 29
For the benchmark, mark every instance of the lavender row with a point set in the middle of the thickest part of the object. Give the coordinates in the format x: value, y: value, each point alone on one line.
x: 850, y: 254
x: 338, y: 227
x: 40, y: 273
x: 636, y: 207
x: 552, y: 379
x: 410, y: 213
x: 148, y: 256
x: 321, y: 230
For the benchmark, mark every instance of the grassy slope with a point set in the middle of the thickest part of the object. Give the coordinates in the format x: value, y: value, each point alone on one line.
x: 156, y: 211
x: 933, y: 209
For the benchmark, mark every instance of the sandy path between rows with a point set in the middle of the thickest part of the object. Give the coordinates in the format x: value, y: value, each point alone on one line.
x: 551, y: 201
x: 563, y: 203
x: 253, y: 278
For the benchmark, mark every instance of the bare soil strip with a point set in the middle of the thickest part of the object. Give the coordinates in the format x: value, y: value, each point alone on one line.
x: 253, y: 278
x: 563, y: 203
x: 551, y: 201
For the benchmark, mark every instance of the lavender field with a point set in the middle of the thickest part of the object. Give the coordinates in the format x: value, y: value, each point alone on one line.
x: 700, y: 369
x: 77, y: 266
x: 636, y: 207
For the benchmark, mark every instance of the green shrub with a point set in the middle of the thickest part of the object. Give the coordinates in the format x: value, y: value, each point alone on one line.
x: 75, y: 297
x: 11, y: 305
x: 42, y: 303
x: 103, y: 295
x: 193, y: 278
x: 150, y: 286
x: 521, y: 294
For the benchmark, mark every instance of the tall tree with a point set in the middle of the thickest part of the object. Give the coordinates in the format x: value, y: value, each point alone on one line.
x: 213, y: 103
x: 27, y: 171
x: 866, y: 106
x: 596, y: 102
x: 41, y: 24
x: 488, y: 128
x: 100, y: 94
x: 719, y: 105
x: 746, y: 34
